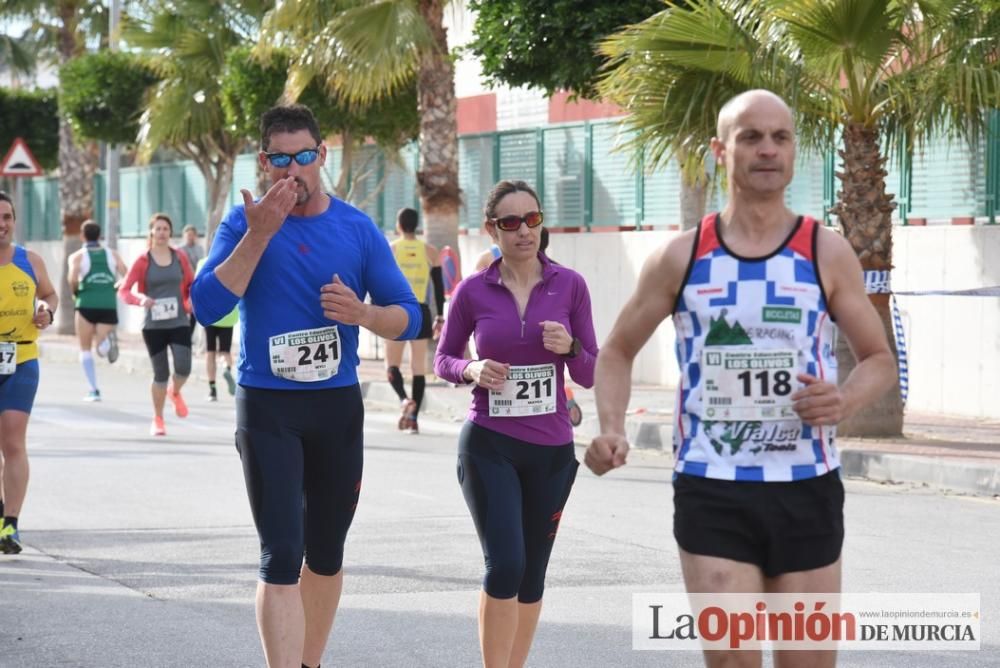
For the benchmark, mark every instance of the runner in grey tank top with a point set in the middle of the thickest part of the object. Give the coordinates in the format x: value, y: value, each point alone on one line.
x: 162, y: 292
x: 163, y: 284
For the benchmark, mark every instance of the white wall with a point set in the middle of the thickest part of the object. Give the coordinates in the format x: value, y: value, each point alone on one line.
x: 953, y: 342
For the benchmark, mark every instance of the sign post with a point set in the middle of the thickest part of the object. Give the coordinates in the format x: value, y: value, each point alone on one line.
x: 17, y: 164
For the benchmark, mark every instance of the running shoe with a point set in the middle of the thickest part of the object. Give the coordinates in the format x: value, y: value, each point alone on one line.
x: 10, y: 540
x: 412, y: 427
x: 213, y: 395
x: 575, y: 413
x: 227, y: 375
x: 180, y: 408
x: 408, y: 406
x: 112, y: 347
x: 157, y: 428
x: 93, y: 395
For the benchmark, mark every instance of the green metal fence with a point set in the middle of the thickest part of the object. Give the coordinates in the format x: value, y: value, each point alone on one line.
x: 582, y: 180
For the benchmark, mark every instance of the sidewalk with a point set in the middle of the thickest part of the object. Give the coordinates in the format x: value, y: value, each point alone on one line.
x: 953, y: 453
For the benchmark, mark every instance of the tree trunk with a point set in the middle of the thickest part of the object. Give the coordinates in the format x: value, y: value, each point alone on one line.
x: 343, y: 187
x: 218, y: 180
x: 865, y: 213
x: 693, y: 199
x: 437, y: 176
x: 77, y: 165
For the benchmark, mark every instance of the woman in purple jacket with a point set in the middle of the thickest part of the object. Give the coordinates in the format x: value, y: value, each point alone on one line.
x: 531, y: 321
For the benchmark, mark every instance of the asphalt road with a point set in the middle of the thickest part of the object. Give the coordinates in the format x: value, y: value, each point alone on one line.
x: 141, y: 551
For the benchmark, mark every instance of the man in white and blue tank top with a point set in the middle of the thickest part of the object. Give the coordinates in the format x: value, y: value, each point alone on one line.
x: 754, y: 292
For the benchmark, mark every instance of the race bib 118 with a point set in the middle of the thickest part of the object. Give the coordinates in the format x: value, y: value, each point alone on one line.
x: 743, y: 384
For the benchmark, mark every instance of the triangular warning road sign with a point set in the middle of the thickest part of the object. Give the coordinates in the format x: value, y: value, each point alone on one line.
x: 20, y: 161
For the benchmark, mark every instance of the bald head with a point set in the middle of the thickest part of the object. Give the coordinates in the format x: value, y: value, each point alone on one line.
x: 759, y: 99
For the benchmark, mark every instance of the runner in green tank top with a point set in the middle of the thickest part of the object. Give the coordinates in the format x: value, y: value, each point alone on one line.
x: 93, y: 272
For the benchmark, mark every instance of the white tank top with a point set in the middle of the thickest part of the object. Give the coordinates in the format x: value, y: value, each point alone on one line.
x: 746, y: 327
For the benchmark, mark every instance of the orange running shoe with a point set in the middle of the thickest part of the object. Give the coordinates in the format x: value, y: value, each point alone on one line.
x: 157, y: 428
x: 177, y: 400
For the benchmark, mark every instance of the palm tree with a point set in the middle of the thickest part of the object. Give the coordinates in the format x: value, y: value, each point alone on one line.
x: 15, y: 59
x: 365, y: 49
x: 59, y: 29
x: 186, y: 42
x: 869, y: 72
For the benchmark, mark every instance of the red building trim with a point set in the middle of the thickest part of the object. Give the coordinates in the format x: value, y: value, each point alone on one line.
x: 561, y: 110
x: 477, y: 113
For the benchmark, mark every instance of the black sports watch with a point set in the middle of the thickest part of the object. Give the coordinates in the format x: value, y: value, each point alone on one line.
x: 574, y: 349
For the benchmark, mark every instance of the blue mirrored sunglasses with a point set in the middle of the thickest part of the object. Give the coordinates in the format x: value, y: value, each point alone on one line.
x: 282, y: 160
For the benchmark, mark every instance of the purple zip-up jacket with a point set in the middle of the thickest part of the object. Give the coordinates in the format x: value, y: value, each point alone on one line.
x: 482, y: 305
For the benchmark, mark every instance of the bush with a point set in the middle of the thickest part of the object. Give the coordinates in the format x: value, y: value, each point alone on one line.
x: 33, y: 116
x: 102, y: 95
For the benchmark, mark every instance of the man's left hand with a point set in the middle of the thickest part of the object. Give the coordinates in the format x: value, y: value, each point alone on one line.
x: 43, y: 316
x: 341, y: 304
x: 819, y: 403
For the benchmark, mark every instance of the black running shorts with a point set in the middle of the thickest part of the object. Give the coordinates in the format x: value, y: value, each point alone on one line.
x: 427, y: 326
x: 302, y: 454
x: 99, y: 316
x: 782, y: 527
x: 218, y: 339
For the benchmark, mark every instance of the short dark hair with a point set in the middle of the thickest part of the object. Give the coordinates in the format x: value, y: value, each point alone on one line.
x: 91, y: 230
x: 407, y: 219
x: 501, y: 190
x: 4, y: 197
x: 287, y: 118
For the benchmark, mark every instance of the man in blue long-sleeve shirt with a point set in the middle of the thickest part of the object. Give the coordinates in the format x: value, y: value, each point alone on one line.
x: 299, y: 263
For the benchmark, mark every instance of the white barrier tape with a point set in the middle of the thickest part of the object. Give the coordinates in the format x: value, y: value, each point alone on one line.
x: 878, y: 282
x: 971, y: 292
x: 904, y: 374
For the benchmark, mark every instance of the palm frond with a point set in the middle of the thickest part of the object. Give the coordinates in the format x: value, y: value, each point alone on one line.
x: 359, y: 50
x: 910, y: 68
x: 14, y: 56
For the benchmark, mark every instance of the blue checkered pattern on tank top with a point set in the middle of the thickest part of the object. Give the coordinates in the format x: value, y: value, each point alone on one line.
x: 756, y: 304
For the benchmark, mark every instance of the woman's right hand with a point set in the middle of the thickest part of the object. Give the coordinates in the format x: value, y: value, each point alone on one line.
x: 147, y: 302
x: 487, y: 373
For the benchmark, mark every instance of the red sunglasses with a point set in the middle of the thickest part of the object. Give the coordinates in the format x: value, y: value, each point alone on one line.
x: 513, y: 223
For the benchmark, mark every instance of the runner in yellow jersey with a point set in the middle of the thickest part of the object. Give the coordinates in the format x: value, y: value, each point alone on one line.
x: 27, y: 304
x: 418, y: 260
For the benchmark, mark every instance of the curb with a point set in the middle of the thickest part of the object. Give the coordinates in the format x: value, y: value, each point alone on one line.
x: 960, y: 476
